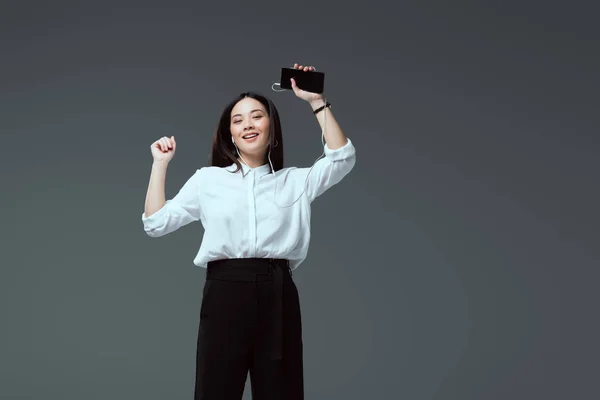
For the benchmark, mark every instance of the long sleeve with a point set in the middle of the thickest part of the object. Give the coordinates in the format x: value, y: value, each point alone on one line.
x: 329, y: 170
x: 181, y: 210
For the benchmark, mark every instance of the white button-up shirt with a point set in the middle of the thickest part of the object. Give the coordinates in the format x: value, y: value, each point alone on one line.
x: 242, y: 215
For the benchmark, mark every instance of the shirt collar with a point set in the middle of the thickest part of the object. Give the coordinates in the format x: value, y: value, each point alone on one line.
x: 261, y: 171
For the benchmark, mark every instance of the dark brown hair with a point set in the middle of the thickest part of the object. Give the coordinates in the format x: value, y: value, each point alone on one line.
x: 223, y: 150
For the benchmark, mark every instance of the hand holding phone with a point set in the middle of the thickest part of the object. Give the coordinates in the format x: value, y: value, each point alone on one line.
x: 310, y: 81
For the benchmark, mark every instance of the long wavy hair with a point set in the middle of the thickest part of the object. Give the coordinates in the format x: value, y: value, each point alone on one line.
x: 223, y: 150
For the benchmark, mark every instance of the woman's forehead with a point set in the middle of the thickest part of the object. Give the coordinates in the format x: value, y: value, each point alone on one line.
x: 247, y: 105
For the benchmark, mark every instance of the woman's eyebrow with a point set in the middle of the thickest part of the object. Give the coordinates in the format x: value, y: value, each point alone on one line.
x: 239, y: 115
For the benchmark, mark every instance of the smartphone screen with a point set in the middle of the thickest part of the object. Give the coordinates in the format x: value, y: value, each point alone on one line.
x: 311, y: 81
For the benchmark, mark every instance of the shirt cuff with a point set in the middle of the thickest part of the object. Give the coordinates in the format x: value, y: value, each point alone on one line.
x: 155, y: 220
x: 342, y: 153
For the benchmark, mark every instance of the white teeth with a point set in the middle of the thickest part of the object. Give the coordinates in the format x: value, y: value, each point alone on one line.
x: 250, y: 136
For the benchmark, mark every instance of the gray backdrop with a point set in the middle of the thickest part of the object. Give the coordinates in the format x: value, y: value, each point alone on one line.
x: 458, y: 260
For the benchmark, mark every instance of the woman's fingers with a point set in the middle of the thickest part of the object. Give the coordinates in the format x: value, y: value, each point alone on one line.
x: 165, y: 144
x: 304, y: 68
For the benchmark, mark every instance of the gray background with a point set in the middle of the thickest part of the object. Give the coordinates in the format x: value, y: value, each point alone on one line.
x: 458, y: 260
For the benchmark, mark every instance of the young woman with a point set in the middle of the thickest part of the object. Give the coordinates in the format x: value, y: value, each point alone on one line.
x: 256, y: 218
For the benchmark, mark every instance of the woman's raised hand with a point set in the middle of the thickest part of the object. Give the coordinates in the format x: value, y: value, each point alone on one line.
x: 163, y: 149
x: 304, y: 95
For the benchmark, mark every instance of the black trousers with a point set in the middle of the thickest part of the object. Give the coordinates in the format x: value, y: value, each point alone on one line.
x: 250, y: 321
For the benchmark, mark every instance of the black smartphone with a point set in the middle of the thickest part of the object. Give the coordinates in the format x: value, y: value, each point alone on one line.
x: 311, y: 81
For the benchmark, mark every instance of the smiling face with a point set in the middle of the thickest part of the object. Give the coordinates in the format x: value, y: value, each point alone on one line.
x: 249, y: 117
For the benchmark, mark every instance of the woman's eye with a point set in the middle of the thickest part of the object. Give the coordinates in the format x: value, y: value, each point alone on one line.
x: 258, y: 116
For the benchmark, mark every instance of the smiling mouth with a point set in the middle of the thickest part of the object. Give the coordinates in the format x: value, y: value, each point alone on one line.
x: 250, y: 136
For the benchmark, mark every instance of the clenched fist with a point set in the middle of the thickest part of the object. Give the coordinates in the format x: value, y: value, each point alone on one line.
x: 163, y: 149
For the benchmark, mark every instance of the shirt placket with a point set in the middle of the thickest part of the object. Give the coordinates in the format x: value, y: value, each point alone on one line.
x: 252, y: 212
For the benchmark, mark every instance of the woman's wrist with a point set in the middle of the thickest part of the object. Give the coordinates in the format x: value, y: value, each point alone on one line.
x: 314, y: 104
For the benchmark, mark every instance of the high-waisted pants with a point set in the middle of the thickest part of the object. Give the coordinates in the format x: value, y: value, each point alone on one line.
x: 250, y: 321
